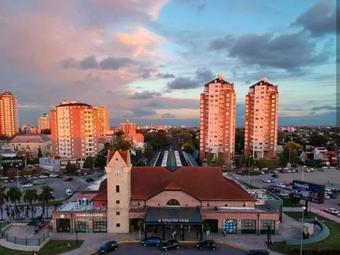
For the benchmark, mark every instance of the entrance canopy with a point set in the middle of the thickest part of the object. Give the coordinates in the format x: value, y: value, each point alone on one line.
x: 162, y: 215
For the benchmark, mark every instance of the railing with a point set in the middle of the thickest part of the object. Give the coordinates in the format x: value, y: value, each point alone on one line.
x: 26, y: 241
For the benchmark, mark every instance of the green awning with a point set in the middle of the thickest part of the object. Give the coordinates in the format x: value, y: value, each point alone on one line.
x: 173, y: 216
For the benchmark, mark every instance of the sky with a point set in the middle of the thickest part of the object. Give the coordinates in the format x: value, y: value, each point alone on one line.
x: 148, y: 60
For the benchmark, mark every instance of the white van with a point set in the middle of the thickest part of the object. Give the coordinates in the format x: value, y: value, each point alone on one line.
x: 68, y: 192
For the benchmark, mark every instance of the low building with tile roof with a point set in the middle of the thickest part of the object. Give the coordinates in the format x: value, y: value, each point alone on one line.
x: 182, y: 200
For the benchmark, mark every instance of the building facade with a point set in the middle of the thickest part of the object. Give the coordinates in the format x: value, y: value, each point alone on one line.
x: 30, y: 145
x: 187, y: 199
x: 261, y: 120
x: 130, y: 133
x: 76, y: 129
x: 8, y: 114
x: 218, y: 119
x: 43, y: 123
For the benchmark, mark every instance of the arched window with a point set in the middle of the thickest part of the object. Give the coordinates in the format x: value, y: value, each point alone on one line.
x: 173, y: 202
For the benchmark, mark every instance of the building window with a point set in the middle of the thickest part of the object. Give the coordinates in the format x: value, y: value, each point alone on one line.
x: 117, y: 202
x: 230, y: 226
x: 118, y: 213
x: 248, y: 226
x: 81, y: 225
x: 118, y: 225
x: 173, y: 202
x: 117, y: 188
x: 267, y: 224
x: 99, y: 225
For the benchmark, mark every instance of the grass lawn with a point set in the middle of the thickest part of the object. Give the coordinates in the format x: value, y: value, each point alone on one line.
x: 331, y: 245
x: 52, y: 247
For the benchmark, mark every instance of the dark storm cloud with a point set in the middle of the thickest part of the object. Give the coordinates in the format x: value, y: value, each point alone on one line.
x: 202, y: 76
x: 320, y: 19
x: 146, y: 94
x: 290, y: 51
x: 168, y: 115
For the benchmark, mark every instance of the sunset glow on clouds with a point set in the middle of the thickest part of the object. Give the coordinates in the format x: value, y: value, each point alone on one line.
x: 148, y: 60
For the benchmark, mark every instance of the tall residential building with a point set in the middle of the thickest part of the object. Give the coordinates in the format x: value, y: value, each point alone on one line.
x: 74, y: 129
x: 217, y: 119
x: 130, y: 133
x: 261, y: 120
x: 102, y: 121
x: 8, y: 114
x: 43, y: 122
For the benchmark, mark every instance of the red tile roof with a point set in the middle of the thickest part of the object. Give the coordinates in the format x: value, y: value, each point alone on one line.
x: 123, y: 154
x: 203, y: 183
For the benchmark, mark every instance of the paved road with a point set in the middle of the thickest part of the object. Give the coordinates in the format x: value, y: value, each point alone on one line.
x: 137, y: 249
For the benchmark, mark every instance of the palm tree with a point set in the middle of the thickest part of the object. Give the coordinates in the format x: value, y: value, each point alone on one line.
x: 30, y: 196
x: 45, y: 196
x: 3, y: 197
x: 14, y: 195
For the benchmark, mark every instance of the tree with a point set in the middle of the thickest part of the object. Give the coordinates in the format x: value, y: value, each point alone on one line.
x: 45, y: 196
x: 291, y: 149
x: 30, y: 196
x: 122, y: 144
x: 89, y: 162
x: 14, y: 195
x: 71, y: 168
x: 3, y: 198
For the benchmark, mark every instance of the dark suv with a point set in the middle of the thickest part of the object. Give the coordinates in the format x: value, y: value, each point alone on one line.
x: 208, y: 244
x: 108, y: 247
x: 171, y: 244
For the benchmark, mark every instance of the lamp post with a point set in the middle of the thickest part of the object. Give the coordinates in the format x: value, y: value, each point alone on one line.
x: 303, y: 215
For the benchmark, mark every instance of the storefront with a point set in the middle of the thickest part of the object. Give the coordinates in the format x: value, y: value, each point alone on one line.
x: 177, y: 221
x: 79, y: 222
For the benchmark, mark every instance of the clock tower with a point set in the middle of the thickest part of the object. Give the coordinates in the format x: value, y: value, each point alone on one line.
x: 118, y: 172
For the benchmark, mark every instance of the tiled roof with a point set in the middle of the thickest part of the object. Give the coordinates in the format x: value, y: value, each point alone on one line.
x: 203, y: 183
x: 30, y: 139
x: 123, y: 154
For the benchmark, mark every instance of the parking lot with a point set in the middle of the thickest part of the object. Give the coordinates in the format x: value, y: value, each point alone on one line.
x: 329, y: 178
x: 188, y: 249
x: 59, y: 185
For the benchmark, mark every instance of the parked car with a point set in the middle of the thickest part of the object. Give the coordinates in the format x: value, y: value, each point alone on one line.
x: 27, y: 185
x: 68, y: 179
x: 267, y: 180
x: 151, y: 241
x: 42, y: 176
x: 89, y: 179
x: 332, y: 211
x: 275, y: 176
x: 68, y: 192
x: 54, y: 175
x: 38, y: 182
x: 258, y: 252
x: 207, y: 244
x: 170, y: 244
x: 108, y: 247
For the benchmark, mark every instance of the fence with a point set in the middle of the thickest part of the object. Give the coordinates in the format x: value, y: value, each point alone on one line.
x: 26, y: 241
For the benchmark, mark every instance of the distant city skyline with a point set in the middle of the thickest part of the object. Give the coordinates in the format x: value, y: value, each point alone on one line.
x: 148, y: 61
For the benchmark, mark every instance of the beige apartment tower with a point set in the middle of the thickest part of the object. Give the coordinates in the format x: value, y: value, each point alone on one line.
x: 76, y: 128
x: 218, y: 119
x: 261, y: 120
x: 43, y: 123
x: 8, y: 114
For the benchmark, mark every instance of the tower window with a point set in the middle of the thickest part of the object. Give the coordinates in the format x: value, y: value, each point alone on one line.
x: 173, y: 202
x: 117, y: 188
x: 117, y: 202
x: 117, y: 225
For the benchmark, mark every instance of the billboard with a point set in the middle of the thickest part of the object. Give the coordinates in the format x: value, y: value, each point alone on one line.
x: 308, y: 191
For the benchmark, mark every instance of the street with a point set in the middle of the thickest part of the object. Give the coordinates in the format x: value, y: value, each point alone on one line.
x: 137, y: 249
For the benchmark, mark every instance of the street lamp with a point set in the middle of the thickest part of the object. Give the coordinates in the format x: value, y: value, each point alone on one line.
x: 302, y: 222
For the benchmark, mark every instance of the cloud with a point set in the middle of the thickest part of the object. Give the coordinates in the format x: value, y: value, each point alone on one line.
x: 136, y: 113
x: 88, y: 63
x: 290, y: 51
x: 172, y: 103
x: 146, y: 94
x: 168, y: 115
x: 324, y: 107
x: 202, y: 76
x: 320, y: 19
x: 154, y: 74
x: 114, y: 63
